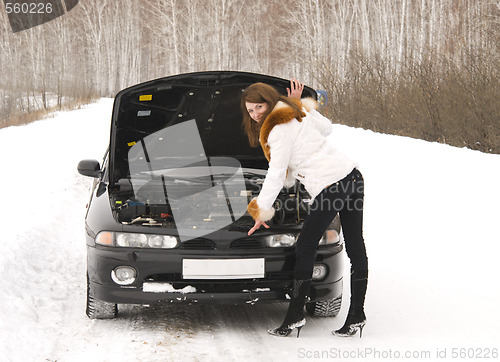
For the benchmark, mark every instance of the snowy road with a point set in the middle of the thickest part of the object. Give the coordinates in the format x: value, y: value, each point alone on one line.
x: 431, y: 228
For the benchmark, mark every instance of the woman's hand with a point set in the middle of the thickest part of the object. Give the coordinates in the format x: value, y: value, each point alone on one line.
x: 257, y: 225
x: 296, y: 88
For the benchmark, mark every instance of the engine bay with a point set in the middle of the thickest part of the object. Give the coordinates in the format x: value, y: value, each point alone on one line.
x: 151, y: 206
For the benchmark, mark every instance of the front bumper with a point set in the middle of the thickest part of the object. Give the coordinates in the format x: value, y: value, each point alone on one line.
x: 161, y: 271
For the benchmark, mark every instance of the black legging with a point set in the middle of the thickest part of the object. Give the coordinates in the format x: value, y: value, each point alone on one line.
x: 346, y: 198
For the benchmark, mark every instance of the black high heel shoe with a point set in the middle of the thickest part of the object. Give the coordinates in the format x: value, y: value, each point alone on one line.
x: 294, y: 318
x: 287, y: 330
x: 350, y: 330
x: 356, y: 318
x: 351, y: 326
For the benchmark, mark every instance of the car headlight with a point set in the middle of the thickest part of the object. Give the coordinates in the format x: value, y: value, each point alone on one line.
x: 136, y: 240
x: 281, y: 240
x: 330, y: 237
x: 131, y: 240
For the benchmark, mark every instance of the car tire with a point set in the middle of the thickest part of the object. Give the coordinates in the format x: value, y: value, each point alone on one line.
x: 98, y: 309
x: 324, y: 308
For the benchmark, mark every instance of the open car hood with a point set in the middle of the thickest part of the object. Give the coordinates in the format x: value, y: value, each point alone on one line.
x: 208, y: 100
x: 179, y: 156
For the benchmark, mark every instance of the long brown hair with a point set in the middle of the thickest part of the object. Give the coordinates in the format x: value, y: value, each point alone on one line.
x: 260, y: 93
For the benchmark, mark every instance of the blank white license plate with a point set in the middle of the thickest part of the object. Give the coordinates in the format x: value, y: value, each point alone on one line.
x: 223, y: 268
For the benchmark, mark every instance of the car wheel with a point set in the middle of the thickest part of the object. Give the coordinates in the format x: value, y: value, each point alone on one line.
x: 98, y: 309
x: 324, y: 308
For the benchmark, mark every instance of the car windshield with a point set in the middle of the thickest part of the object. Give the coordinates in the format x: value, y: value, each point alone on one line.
x: 177, y: 125
x: 175, y: 156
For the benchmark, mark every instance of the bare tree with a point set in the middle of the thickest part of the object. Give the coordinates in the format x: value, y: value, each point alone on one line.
x: 344, y: 46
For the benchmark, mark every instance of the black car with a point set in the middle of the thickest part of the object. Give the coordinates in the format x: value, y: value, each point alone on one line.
x: 167, y: 216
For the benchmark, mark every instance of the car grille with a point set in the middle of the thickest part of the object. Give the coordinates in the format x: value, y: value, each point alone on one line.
x: 223, y: 286
x: 206, y: 244
x: 247, y: 244
x: 198, y: 243
x: 286, y: 276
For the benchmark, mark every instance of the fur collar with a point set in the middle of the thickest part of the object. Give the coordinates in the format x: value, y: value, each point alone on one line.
x: 282, y: 113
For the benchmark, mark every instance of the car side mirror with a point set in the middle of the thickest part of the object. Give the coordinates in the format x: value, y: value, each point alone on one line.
x: 89, y: 168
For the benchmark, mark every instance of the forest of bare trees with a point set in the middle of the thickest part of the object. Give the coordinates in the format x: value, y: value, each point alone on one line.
x: 422, y: 68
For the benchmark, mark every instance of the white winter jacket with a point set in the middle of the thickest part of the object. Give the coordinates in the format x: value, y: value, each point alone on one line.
x: 297, y: 148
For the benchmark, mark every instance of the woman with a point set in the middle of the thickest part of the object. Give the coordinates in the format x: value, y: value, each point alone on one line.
x: 292, y: 135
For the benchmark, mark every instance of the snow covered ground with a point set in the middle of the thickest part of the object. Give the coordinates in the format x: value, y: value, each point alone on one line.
x: 431, y: 229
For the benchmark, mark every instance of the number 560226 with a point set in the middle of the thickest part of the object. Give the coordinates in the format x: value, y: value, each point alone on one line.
x: 476, y: 353
x: 28, y: 8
